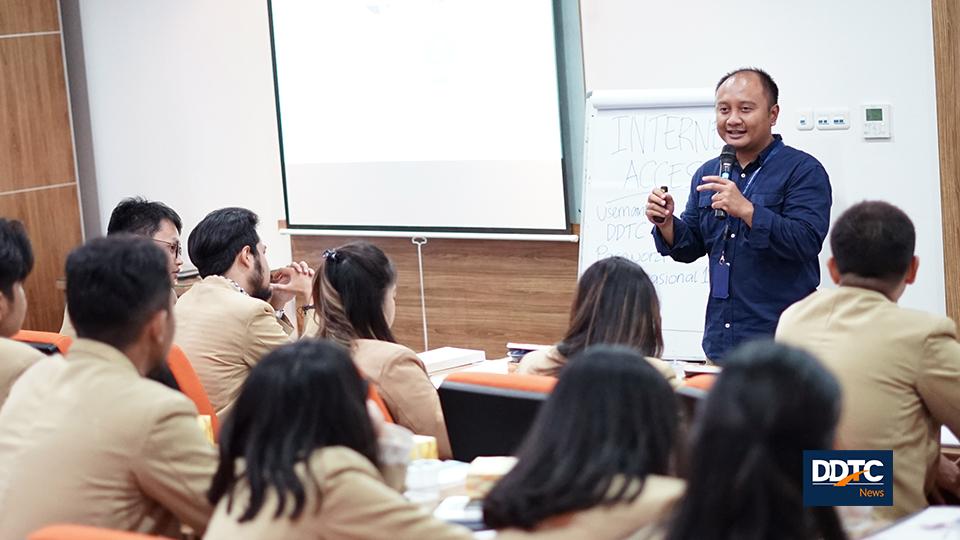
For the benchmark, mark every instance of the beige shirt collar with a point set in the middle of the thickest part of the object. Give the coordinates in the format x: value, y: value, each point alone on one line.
x: 217, y: 280
x: 850, y: 290
x: 98, y: 350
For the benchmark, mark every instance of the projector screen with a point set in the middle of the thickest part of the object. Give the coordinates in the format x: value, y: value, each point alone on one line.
x: 419, y: 115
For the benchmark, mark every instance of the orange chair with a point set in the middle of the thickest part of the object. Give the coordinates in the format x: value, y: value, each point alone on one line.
x: 374, y: 396
x: 190, y: 385
x: 82, y: 532
x: 489, y: 414
x: 703, y: 381
x: 35, y: 337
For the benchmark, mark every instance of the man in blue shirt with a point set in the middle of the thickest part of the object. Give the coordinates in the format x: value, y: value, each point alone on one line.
x: 763, y: 255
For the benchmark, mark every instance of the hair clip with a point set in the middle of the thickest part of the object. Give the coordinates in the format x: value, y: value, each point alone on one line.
x: 330, y: 255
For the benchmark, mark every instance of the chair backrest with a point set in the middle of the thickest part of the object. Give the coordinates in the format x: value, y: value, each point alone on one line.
x: 47, y: 342
x: 82, y: 532
x: 190, y: 385
x: 489, y: 414
x: 703, y: 381
x: 374, y: 396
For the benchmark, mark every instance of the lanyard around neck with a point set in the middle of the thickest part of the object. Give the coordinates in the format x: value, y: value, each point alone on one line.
x: 753, y: 176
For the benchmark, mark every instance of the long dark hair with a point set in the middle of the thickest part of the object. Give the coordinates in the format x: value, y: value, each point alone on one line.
x: 770, y: 403
x: 300, y: 398
x: 616, y: 303
x: 348, y: 293
x: 610, y: 421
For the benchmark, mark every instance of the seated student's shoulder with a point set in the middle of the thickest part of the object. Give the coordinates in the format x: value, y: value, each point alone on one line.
x: 34, y: 381
x: 331, y: 461
x: 549, y: 362
x: 542, y: 362
x: 153, y: 402
x: 645, y: 517
x: 385, y: 353
x: 931, y: 324
x: 16, y: 357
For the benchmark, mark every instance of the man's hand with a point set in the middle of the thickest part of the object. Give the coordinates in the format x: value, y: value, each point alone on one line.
x: 289, y: 282
x: 728, y: 198
x: 660, y: 207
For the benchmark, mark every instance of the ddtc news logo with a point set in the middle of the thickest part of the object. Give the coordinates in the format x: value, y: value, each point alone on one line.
x: 848, y: 478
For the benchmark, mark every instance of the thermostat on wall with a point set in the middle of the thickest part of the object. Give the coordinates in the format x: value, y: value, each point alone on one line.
x: 876, y: 121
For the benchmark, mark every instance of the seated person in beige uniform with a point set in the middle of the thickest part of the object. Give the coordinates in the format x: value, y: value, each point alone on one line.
x: 354, y: 293
x: 899, y: 368
x: 153, y: 219
x: 234, y: 315
x: 597, y: 460
x: 94, y: 442
x: 744, y: 477
x: 616, y: 303
x: 300, y: 458
x: 16, y: 261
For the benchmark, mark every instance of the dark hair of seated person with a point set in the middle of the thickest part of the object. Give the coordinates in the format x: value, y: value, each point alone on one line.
x: 16, y: 255
x: 137, y: 215
x: 615, y: 303
x: 769, y: 404
x: 114, y: 286
x: 610, y: 421
x: 215, y: 242
x: 301, y: 397
x: 349, y: 288
x: 873, y: 239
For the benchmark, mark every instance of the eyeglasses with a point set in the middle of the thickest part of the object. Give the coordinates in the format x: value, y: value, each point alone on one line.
x: 175, y: 248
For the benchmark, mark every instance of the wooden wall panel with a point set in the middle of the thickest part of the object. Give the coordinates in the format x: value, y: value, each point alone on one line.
x: 52, y: 219
x: 480, y: 293
x: 946, y: 40
x: 36, y: 147
x: 24, y: 16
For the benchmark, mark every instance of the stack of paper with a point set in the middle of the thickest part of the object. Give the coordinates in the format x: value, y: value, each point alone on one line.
x: 450, y: 357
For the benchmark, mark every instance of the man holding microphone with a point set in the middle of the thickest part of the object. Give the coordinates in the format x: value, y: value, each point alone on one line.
x: 762, y: 228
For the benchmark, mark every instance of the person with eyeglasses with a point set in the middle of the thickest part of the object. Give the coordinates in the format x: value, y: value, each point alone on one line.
x: 153, y: 219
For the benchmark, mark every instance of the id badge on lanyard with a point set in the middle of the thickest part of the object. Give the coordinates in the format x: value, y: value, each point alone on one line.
x: 720, y: 279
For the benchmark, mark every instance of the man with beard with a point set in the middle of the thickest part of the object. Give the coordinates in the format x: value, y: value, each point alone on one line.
x: 229, y: 320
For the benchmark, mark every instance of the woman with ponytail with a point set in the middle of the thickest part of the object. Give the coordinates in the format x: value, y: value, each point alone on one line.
x: 770, y: 403
x: 354, y: 292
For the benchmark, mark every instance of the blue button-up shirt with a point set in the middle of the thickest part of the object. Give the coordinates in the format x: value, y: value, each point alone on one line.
x: 772, y: 264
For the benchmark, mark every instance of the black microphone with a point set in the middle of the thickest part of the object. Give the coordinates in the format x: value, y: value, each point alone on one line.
x: 727, y: 156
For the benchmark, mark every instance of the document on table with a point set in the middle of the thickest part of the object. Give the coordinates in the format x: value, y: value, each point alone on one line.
x: 934, y: 522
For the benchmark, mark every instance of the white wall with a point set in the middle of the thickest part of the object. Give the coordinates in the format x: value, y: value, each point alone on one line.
x: 822, y: 53
x: 181, y: 109
x: 179, y: 96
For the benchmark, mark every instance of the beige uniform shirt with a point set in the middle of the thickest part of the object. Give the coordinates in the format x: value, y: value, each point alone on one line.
x: 354, y: 503
x: 15, y: 358
x: 224, y: 333
x: 403, y: 384
x: 550, y: 361
x: 91, y: 442
x: 645, y: 517
x: 900, y: 373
